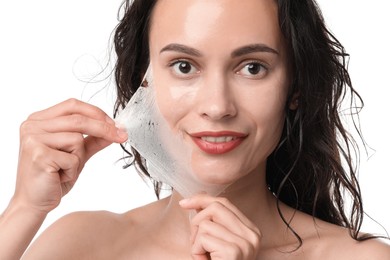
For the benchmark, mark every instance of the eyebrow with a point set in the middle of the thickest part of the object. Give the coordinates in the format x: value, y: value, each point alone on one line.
x: 181, y: 48
x: 253, y: 48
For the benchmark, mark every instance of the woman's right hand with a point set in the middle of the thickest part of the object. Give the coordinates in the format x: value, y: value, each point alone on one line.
x: 55, y: 144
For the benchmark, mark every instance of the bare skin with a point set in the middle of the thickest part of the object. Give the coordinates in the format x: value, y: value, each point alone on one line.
x: 53, y: 152
x: 241, y: 223
x: 142, y: 233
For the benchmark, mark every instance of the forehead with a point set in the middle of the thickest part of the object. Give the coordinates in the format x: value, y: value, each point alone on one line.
x: 213, y: 23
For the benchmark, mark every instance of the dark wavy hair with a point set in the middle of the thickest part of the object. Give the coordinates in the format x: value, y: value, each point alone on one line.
x: 312, y: 167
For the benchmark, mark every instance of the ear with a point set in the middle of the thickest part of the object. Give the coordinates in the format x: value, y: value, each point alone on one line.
x: 145, y: 83
x: 294, y: 103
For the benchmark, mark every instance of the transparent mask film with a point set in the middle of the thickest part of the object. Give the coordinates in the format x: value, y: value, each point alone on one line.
x: 169, y: 157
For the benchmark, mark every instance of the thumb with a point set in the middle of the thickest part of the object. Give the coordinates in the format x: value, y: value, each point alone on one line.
x: 94, y: 145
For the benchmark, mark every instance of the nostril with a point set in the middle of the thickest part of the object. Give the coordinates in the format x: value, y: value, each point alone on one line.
x: 218, y: 112
x: 216, y: 99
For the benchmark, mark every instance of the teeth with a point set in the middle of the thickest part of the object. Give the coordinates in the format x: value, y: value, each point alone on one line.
x: 221, y: 139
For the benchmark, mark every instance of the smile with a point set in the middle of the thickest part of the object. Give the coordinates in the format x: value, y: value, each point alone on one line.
x: 222, y: 139
x: 218, y: 142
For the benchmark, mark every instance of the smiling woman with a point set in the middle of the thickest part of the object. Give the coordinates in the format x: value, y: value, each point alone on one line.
x: 219, y: 97
x: 254, y: 89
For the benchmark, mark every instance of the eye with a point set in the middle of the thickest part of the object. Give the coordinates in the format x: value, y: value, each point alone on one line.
x: 183, y: 68
x: 253, y: 69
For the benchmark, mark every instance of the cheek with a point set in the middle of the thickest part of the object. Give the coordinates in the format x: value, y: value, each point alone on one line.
x: 267, y: 113
x: 173, y: 101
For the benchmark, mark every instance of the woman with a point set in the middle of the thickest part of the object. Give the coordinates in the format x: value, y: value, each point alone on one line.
x: 268, y: 77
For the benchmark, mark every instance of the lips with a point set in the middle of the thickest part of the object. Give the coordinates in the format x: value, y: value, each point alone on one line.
x: 218, y: 142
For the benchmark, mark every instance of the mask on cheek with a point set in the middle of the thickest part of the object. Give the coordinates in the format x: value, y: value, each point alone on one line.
x: 168, y: 156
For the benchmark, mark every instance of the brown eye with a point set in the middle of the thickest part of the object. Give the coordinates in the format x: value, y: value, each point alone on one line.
x: 183, y: 68
x: 253, y: 70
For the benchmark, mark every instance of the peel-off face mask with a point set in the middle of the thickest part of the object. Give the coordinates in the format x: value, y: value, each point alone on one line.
x: 169, y: 158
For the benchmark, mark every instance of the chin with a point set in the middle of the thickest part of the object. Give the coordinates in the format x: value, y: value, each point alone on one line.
x: 221, y: 174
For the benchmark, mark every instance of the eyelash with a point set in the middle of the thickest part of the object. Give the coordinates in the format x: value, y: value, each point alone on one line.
x: 262, y: 70
x: 178, y: 61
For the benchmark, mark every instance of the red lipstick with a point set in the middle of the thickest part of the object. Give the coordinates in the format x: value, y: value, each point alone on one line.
x: 217, y: 142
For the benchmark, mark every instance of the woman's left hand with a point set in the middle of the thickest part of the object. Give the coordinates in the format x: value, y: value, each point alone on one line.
x: 220, y: 231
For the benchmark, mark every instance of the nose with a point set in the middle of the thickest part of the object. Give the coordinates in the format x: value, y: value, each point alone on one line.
x: 215, y: 99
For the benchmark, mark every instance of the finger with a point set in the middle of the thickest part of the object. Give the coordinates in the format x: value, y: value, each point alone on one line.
x: 51, y: 151
x: 67, y: 142
x: 51, y: 162
x: 216, y: 248
x: 75, y: 143
x: 222, y: 233
x: 218, y: 213
x: 66, y: 169
x: 68, y: 166
x: 83, y: 148
x: 202, y: 201
x: 94, y: 145
x: 201, y: 257
x: 221, y: 211
x: 72, y: 106
x: 78, y: 124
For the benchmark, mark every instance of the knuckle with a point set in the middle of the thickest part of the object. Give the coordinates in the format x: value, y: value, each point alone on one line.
x: 28, y: 142
x: 38, y: 155
x: 72, y: 102
x: 223, y: 201
x: 75, y: 145
x: 212, y: 209
x: 78, y: 139
x: 257, y: 237
x: 75, y: 160
x: 234, y: 250
x: 77, y: 120
x: 25, y: 127
x: 248, y: 249
x: 33, y: 116
x: 204, y: 225
x: 217, y: 205
x: 254, y: 243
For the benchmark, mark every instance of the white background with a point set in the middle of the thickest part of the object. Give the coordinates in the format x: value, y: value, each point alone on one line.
x: 49, y: 48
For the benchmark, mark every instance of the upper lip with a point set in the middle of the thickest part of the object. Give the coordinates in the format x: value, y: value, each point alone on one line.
x: 218, y: 134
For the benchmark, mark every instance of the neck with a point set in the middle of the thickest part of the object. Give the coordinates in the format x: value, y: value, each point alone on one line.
x: 249, y: 194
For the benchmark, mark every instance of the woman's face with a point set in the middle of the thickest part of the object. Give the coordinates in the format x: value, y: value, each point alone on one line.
x: 221, y: 75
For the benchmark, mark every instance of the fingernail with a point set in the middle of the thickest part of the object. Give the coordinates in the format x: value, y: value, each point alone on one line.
x: 122, y: 133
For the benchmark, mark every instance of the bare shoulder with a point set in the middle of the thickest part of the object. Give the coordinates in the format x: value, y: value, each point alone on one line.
x: 323, y: 240
x: 335, y: 242
x: 372, y: 249
x: 73, y: 235
x: 90, y: 235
